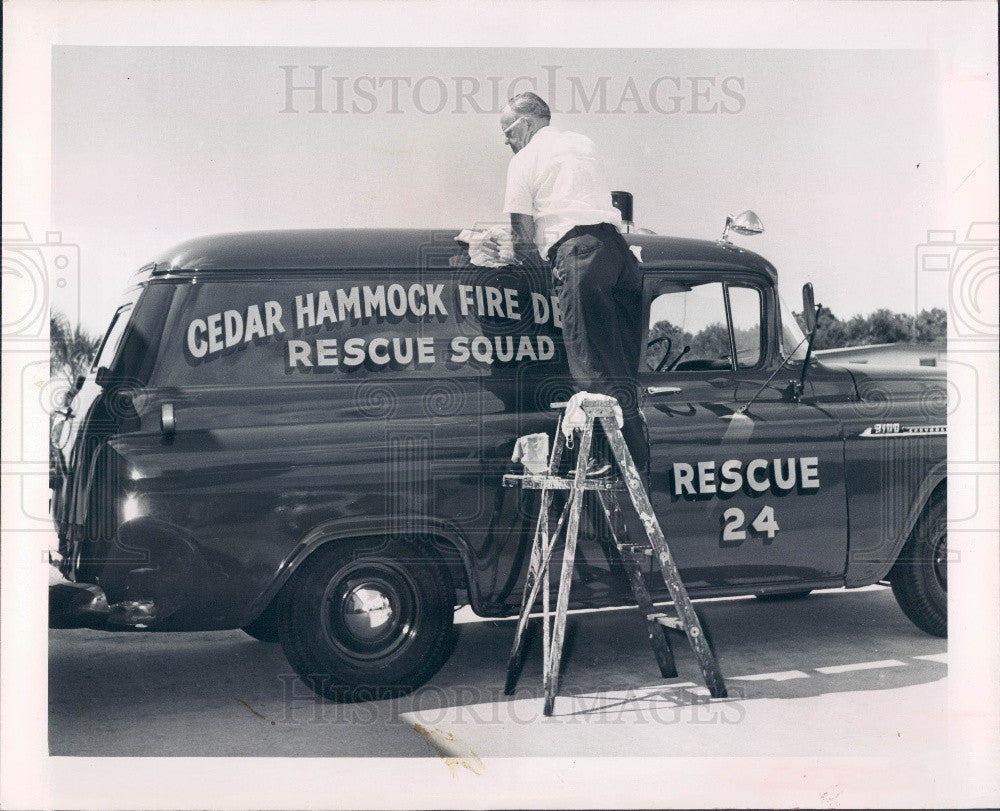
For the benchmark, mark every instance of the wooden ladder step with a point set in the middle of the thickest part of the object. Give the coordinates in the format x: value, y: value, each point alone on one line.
x: 539, y: 481
x: 636, y: 549
x: 668, y: 621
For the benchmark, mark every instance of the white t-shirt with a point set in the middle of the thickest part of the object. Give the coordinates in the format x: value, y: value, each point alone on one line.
x: 557, y: 179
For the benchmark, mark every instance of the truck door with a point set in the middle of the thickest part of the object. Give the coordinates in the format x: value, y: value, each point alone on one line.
x: 747, y: 503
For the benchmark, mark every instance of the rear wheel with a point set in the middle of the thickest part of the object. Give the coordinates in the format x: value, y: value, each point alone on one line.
x: 919, y: 577
x: 265, y: 627
x: 364, y: 621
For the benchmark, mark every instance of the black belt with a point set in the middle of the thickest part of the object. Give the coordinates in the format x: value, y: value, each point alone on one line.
x: 580, y: 230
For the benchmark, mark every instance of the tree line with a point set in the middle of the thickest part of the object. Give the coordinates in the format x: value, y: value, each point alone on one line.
x: 880, y: 327
x: 71, y: 349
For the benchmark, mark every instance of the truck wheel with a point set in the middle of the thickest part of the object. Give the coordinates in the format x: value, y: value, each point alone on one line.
x: 919, y: 577
x: 265, y: 627
x: 363, y: 621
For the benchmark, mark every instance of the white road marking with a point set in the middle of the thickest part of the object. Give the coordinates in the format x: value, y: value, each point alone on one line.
x: 784, y: 675
x: 860, y: 666
x: 934, y: 657
x: 655, y: 693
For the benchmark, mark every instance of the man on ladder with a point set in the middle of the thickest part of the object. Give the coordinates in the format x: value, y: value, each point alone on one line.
x: 560, y: 205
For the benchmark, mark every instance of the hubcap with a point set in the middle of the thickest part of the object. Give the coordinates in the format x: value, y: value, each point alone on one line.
x: 370, y: 611
x: 941, y: 561
x: 366, y: 611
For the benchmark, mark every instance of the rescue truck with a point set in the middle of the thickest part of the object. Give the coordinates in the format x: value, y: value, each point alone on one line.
x: 303, y: 434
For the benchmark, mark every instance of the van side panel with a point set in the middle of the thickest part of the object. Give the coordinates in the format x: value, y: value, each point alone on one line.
x: 248, y: 475
x: 269, y: 458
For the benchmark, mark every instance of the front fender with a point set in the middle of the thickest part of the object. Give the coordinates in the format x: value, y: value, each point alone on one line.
x: 875, y: 564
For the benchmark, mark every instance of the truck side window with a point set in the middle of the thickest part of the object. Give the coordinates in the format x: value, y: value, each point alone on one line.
x: 745, y: 307
x: 141, y: 342
x: 362, y: 325
x: 689, y: 327
x: 109, y: 346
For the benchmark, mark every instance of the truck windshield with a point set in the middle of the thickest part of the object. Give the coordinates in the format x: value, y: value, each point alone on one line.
x: 793, y: 343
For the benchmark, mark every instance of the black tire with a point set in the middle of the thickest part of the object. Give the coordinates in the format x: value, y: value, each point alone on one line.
x: 783, y: 595
x: 265, y: 627
x: 363, y: 621
x: 919, y: 577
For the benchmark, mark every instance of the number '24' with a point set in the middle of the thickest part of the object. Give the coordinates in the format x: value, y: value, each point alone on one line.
x: 733, y: 519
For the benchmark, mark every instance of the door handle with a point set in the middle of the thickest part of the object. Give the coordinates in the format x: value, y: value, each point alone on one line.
x: 168, y: 423
x: 662, y: 390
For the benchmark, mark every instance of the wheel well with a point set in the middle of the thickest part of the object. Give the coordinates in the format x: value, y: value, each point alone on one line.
x: 937, y: 495
x: 940, y: 492
x: 451, y: 556
x: 443, y: 547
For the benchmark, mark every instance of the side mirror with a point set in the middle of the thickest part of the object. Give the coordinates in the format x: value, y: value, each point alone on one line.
x: 808, y: 306
x: 103, y: 376
x: 747, y: 223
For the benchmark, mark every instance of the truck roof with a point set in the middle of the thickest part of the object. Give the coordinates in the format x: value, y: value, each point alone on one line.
x: 398, y: 248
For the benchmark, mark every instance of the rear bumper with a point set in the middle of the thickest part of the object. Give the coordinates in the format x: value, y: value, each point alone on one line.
x: 77, y: 605
x: 84, y: 605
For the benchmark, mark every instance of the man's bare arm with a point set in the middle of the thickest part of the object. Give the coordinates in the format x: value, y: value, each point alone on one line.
x: 523, y: 228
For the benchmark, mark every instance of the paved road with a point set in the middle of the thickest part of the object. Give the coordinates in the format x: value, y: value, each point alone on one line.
x: 836, y: 673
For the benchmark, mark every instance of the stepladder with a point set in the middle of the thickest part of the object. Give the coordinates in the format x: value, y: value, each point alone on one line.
x: 681, y: 618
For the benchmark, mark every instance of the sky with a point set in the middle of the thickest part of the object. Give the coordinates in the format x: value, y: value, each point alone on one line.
x: 840, y: 153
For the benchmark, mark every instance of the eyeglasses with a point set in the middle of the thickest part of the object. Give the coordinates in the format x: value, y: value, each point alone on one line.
x: 506, y: 130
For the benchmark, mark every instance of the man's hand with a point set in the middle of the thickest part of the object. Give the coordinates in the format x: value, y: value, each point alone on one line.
x: 491, y: 246
x: 497, y: 248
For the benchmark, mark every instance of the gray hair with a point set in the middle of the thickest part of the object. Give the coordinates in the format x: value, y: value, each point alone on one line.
x: 530, y: 104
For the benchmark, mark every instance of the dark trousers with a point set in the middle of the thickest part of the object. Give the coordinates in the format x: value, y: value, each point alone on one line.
x: 600, y: 295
